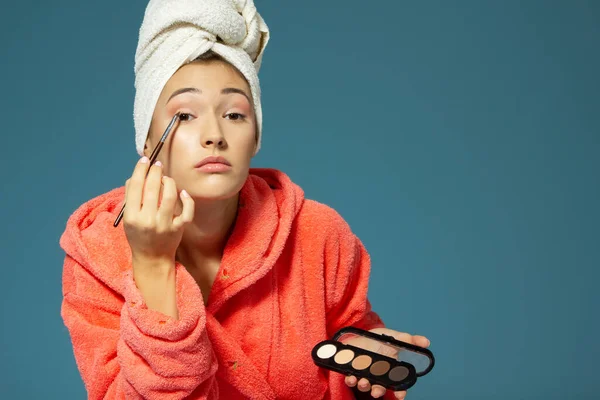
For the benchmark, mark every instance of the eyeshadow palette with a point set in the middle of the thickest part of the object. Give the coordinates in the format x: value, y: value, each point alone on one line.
x: 381, y: 359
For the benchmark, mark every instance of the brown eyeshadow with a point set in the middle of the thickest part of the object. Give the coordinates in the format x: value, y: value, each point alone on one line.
x: 399, y: 373
x: 380, y: 368
x: 361, y: 362
x: 344, y: 356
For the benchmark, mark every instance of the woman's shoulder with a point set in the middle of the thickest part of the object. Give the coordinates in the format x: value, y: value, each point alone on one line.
x: 308, y: 214
x: 94, y: 212
x: 322, y: 220
x: 91, y: 241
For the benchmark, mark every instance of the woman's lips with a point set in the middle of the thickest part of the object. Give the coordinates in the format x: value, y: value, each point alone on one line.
x: 214, y: 167
x: 214, y: 164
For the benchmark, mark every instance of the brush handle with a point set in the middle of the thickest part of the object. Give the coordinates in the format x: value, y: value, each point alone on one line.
x: 120, y: 217
x: 153, y: 157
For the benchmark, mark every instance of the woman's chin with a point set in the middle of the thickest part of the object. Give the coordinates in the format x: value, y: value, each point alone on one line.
x: 214, y: 191
x: 217, y: 186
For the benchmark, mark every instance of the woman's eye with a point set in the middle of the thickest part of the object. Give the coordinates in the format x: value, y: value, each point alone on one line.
x: 185, y: 117
x: 235, y: 116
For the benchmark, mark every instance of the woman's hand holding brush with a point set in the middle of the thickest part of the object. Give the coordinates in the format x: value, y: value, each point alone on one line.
x: 154, y: 232
x: 152, y: 228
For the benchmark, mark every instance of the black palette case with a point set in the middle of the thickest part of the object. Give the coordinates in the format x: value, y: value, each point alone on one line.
x: 381, y: 359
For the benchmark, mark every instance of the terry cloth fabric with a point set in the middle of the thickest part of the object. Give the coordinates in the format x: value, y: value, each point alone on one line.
x: 292, y: 274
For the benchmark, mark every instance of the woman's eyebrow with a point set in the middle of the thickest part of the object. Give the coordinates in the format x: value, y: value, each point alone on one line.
x: 184, y: 90
x: 228, y: 90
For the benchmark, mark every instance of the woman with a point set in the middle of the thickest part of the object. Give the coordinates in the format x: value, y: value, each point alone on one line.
x: 221, y: 278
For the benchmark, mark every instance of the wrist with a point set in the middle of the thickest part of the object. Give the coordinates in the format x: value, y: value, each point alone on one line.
x: 156, y: 281
x: 150, y: 272
x: 160, y: 265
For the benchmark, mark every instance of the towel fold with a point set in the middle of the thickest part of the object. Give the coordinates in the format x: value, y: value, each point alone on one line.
x: 176, y: 32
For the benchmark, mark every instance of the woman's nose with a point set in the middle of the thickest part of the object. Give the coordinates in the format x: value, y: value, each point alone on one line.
x: 214, y: 141
x: 213, y: 136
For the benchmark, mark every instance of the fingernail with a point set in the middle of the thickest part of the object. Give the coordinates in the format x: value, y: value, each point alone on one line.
x: 184, y: 193
x: 158, y: 164
x: 144, y: 160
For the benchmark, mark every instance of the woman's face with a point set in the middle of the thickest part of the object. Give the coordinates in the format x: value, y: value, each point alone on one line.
x: 217, y: 120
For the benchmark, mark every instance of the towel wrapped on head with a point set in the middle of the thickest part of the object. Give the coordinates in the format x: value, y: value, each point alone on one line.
x: 176, y: 32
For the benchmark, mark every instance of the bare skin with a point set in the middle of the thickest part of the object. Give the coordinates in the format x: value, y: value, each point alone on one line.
x: 213, y: 123
x: 179, y: 213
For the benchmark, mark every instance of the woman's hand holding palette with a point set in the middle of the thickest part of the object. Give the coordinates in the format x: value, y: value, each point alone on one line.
x: 380, y: 359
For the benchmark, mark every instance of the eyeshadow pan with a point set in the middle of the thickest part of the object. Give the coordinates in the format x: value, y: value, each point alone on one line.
x: 326, y: 351
x: 361, y: 362
x: 380, y: 368
x: 398, y: 373
x: 344, y: 356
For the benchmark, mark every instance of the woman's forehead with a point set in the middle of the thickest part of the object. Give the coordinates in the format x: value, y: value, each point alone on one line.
x: 207, y: 74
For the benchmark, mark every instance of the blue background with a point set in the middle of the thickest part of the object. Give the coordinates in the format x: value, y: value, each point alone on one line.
x: 460, y: 140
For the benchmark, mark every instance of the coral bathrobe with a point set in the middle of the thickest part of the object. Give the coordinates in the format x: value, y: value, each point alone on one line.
x: 292, y: 273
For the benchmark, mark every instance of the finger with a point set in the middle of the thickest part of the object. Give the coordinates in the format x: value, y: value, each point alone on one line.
x: 152, y: 188
x: 421, y: 341
x: 364, y: 385
x: 402, y: 336
x: 377, y: 391
x: 167, y: 203
x: 351, y: 381
x: 136, y: 185
x: 400, y: 395
x: 127, y: 186
x: 187, y: 213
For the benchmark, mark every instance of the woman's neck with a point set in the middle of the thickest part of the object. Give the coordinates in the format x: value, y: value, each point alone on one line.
x: 205, y: 238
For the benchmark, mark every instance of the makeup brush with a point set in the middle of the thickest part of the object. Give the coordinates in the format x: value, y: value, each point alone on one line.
x: 152, y: 158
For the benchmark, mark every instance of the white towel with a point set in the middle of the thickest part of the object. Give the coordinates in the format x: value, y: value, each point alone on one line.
x: 175, y: 32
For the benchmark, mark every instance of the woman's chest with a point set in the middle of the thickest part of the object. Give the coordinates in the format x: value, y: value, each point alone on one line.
x: 205, y: 276
x: 275, y: 322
